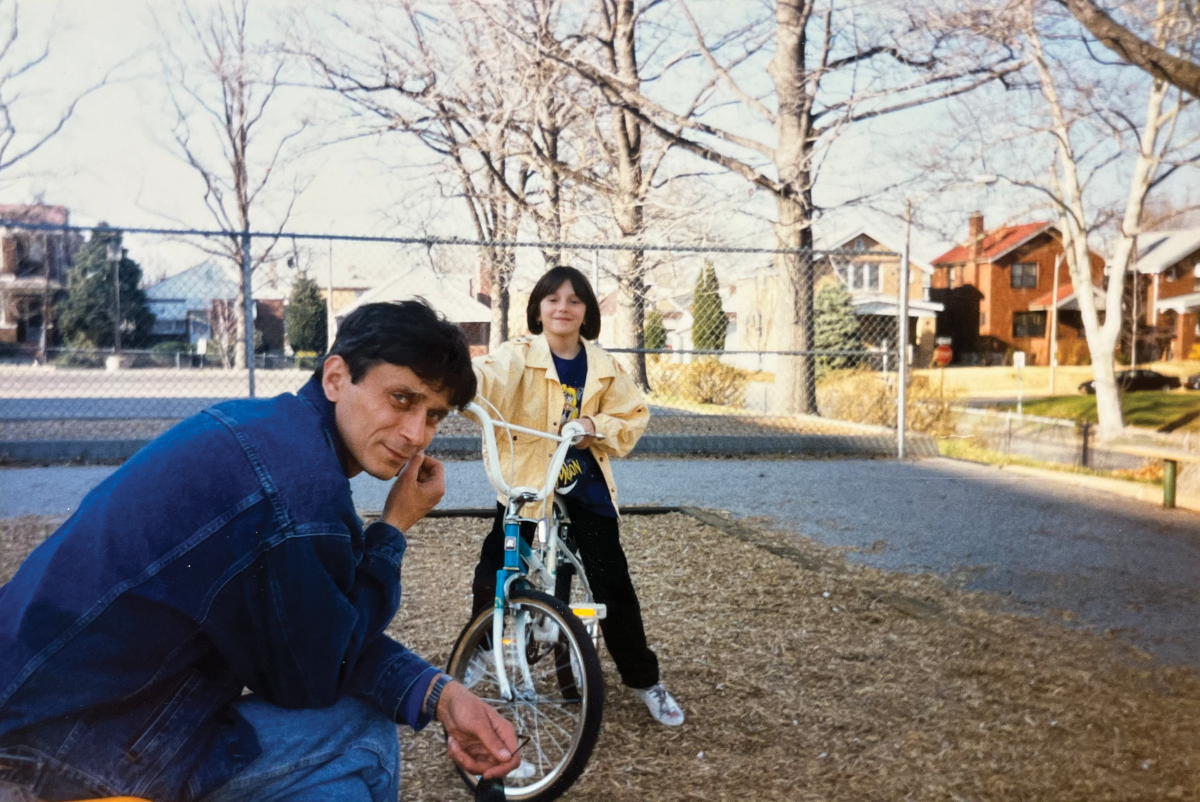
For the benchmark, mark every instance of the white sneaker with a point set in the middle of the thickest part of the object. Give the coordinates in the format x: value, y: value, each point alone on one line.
x: 662, y: 705
x: 481, y: 663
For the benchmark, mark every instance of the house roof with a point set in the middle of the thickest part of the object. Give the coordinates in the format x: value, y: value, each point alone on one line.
x: 1066, y: 299
x: 200, y: 285
x: 879, y: 304
x: 1159, y: 251
x: 996, y: 244
x: 458, y: 307
x: 885, y: 240
x: 42, y: 213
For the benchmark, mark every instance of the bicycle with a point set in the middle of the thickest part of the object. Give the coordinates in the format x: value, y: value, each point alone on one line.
x: 545, y: 677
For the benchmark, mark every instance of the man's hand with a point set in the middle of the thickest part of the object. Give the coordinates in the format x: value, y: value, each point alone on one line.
x: 418, y: 489
x: 479, y: 740
x: 590, y: 427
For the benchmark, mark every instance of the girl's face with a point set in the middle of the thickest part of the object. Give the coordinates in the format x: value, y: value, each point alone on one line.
x: 562, y: 312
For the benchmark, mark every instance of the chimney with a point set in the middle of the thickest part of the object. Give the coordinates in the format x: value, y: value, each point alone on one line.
x: 975, y: 235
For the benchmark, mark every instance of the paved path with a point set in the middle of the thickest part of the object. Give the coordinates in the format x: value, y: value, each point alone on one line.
x: 1114, y: 563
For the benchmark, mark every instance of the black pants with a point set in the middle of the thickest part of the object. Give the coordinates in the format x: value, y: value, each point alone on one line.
x: 599, y: 544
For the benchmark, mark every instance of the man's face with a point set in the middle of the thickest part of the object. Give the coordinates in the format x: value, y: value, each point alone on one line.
x: 384, y: 419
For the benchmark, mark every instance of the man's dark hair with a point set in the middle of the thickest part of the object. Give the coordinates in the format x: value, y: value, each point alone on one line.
x: 551, y: 281
x: 409, y: 334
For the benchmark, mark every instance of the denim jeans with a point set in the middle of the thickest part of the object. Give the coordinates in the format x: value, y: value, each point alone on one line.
x: 348, y: 752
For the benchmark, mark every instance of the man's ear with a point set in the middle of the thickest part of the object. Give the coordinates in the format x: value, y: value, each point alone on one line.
x: 335, y: 377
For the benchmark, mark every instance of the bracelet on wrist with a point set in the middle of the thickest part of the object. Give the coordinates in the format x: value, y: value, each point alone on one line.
x: 435, y: 694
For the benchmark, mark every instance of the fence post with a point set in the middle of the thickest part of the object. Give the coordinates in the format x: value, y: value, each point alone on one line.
x: 902, y: 320
x: 249, y: 311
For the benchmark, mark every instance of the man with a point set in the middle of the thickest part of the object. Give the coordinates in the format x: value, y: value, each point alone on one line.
x: 227, y: 555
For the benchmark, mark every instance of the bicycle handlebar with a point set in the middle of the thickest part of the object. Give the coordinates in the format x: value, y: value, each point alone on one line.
x: 572, y: 433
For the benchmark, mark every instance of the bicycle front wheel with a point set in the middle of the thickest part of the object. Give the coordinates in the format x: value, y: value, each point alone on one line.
x: 557, y: 692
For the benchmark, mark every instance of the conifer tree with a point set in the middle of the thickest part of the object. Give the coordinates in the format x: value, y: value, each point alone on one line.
x: 836, y: 327
x: 306, y: 318
x: 709, y: 323
x: 656, y: 333
x: 85, y: 315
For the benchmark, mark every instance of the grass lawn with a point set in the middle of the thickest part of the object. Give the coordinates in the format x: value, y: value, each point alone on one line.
x: 1151, y: 409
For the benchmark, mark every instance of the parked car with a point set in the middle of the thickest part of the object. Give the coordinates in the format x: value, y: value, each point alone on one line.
x: 1132, y: 381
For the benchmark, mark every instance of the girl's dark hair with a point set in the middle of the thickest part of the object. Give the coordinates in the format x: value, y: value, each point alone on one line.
x: 409, y: 334
x: 551, y: 281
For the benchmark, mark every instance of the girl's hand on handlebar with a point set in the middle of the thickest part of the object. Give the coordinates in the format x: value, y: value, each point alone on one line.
x: 590, y: 427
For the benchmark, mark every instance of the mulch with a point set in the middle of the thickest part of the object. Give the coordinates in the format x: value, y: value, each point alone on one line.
x: 807, y: 677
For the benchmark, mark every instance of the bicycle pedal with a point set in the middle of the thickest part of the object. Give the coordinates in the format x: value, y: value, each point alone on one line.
x: 489, y: 791
x: 589, y: 611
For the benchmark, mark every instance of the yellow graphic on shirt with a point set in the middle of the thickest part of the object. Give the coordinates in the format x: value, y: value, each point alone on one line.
x: 572, y: 467
x: 571, y: 404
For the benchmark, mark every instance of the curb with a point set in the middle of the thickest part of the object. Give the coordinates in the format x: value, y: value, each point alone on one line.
x: 881, y: 445
x: 1139, y: 491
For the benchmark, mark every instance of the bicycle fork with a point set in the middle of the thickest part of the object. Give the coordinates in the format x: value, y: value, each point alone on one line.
x: 513, y: 546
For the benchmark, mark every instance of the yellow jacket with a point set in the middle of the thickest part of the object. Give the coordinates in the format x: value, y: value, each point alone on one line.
x: 520, y: 380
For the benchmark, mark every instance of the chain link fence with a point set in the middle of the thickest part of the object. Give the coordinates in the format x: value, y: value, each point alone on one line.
x: 93, y: 350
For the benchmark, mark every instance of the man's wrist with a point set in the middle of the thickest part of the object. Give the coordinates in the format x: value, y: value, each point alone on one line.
x: 434, y: 694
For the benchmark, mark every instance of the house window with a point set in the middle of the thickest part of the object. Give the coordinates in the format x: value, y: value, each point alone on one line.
x: 859, y: 275
x: 1024, y: 276
x: 871, y: 275
x: 860, y: 244
x: 1029, y: 324
x: 983, y: 318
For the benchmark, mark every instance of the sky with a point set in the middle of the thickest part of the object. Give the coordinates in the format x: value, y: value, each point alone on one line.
x: 115, y: 160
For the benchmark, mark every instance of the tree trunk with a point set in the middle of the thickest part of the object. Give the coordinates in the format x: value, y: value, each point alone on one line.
x: 628, y: 203
x: 795, y: 377
x: 239, y: 347
x: 796, y: 380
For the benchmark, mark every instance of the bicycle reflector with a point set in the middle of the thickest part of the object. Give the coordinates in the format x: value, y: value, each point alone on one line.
x: 589, y: 611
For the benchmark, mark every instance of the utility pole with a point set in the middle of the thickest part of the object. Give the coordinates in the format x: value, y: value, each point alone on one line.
x: 1054, y: 323
x: 902, y: 321
x: 330, y: 320
x: 249, y: 311
x: 113, y: 251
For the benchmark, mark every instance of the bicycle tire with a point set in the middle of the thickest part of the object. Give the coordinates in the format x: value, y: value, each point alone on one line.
x: 566, y: 762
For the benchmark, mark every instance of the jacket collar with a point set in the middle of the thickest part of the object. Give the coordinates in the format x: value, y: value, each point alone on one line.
x: 539, y: 356
x: 313, y: 394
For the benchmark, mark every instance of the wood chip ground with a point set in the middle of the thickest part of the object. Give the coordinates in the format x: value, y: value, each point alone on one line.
x: 805, y: 678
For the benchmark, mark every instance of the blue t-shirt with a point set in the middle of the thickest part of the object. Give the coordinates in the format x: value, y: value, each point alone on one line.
x: 580, y: 479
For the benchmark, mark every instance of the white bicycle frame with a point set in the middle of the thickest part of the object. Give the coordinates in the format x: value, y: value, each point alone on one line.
x: 543, y: 567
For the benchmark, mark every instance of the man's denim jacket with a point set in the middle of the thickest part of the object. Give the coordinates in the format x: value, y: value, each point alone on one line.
x: 226, y: 553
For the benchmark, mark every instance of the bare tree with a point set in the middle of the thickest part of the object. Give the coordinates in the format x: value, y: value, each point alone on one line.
x: 1179, y: 68
x: 444, y: 77
x: 830, y: 66
x: 1156, y: 145
x: 221, y: 100
x: 19, y: 138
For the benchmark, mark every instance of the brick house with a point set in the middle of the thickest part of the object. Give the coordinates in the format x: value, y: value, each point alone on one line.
x: 1170, y: 261
x: 869, y: 267
x: 999, y: 294
x: 33, y: 272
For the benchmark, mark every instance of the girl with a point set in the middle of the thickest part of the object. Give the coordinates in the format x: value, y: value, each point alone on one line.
x: 542, y: 382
